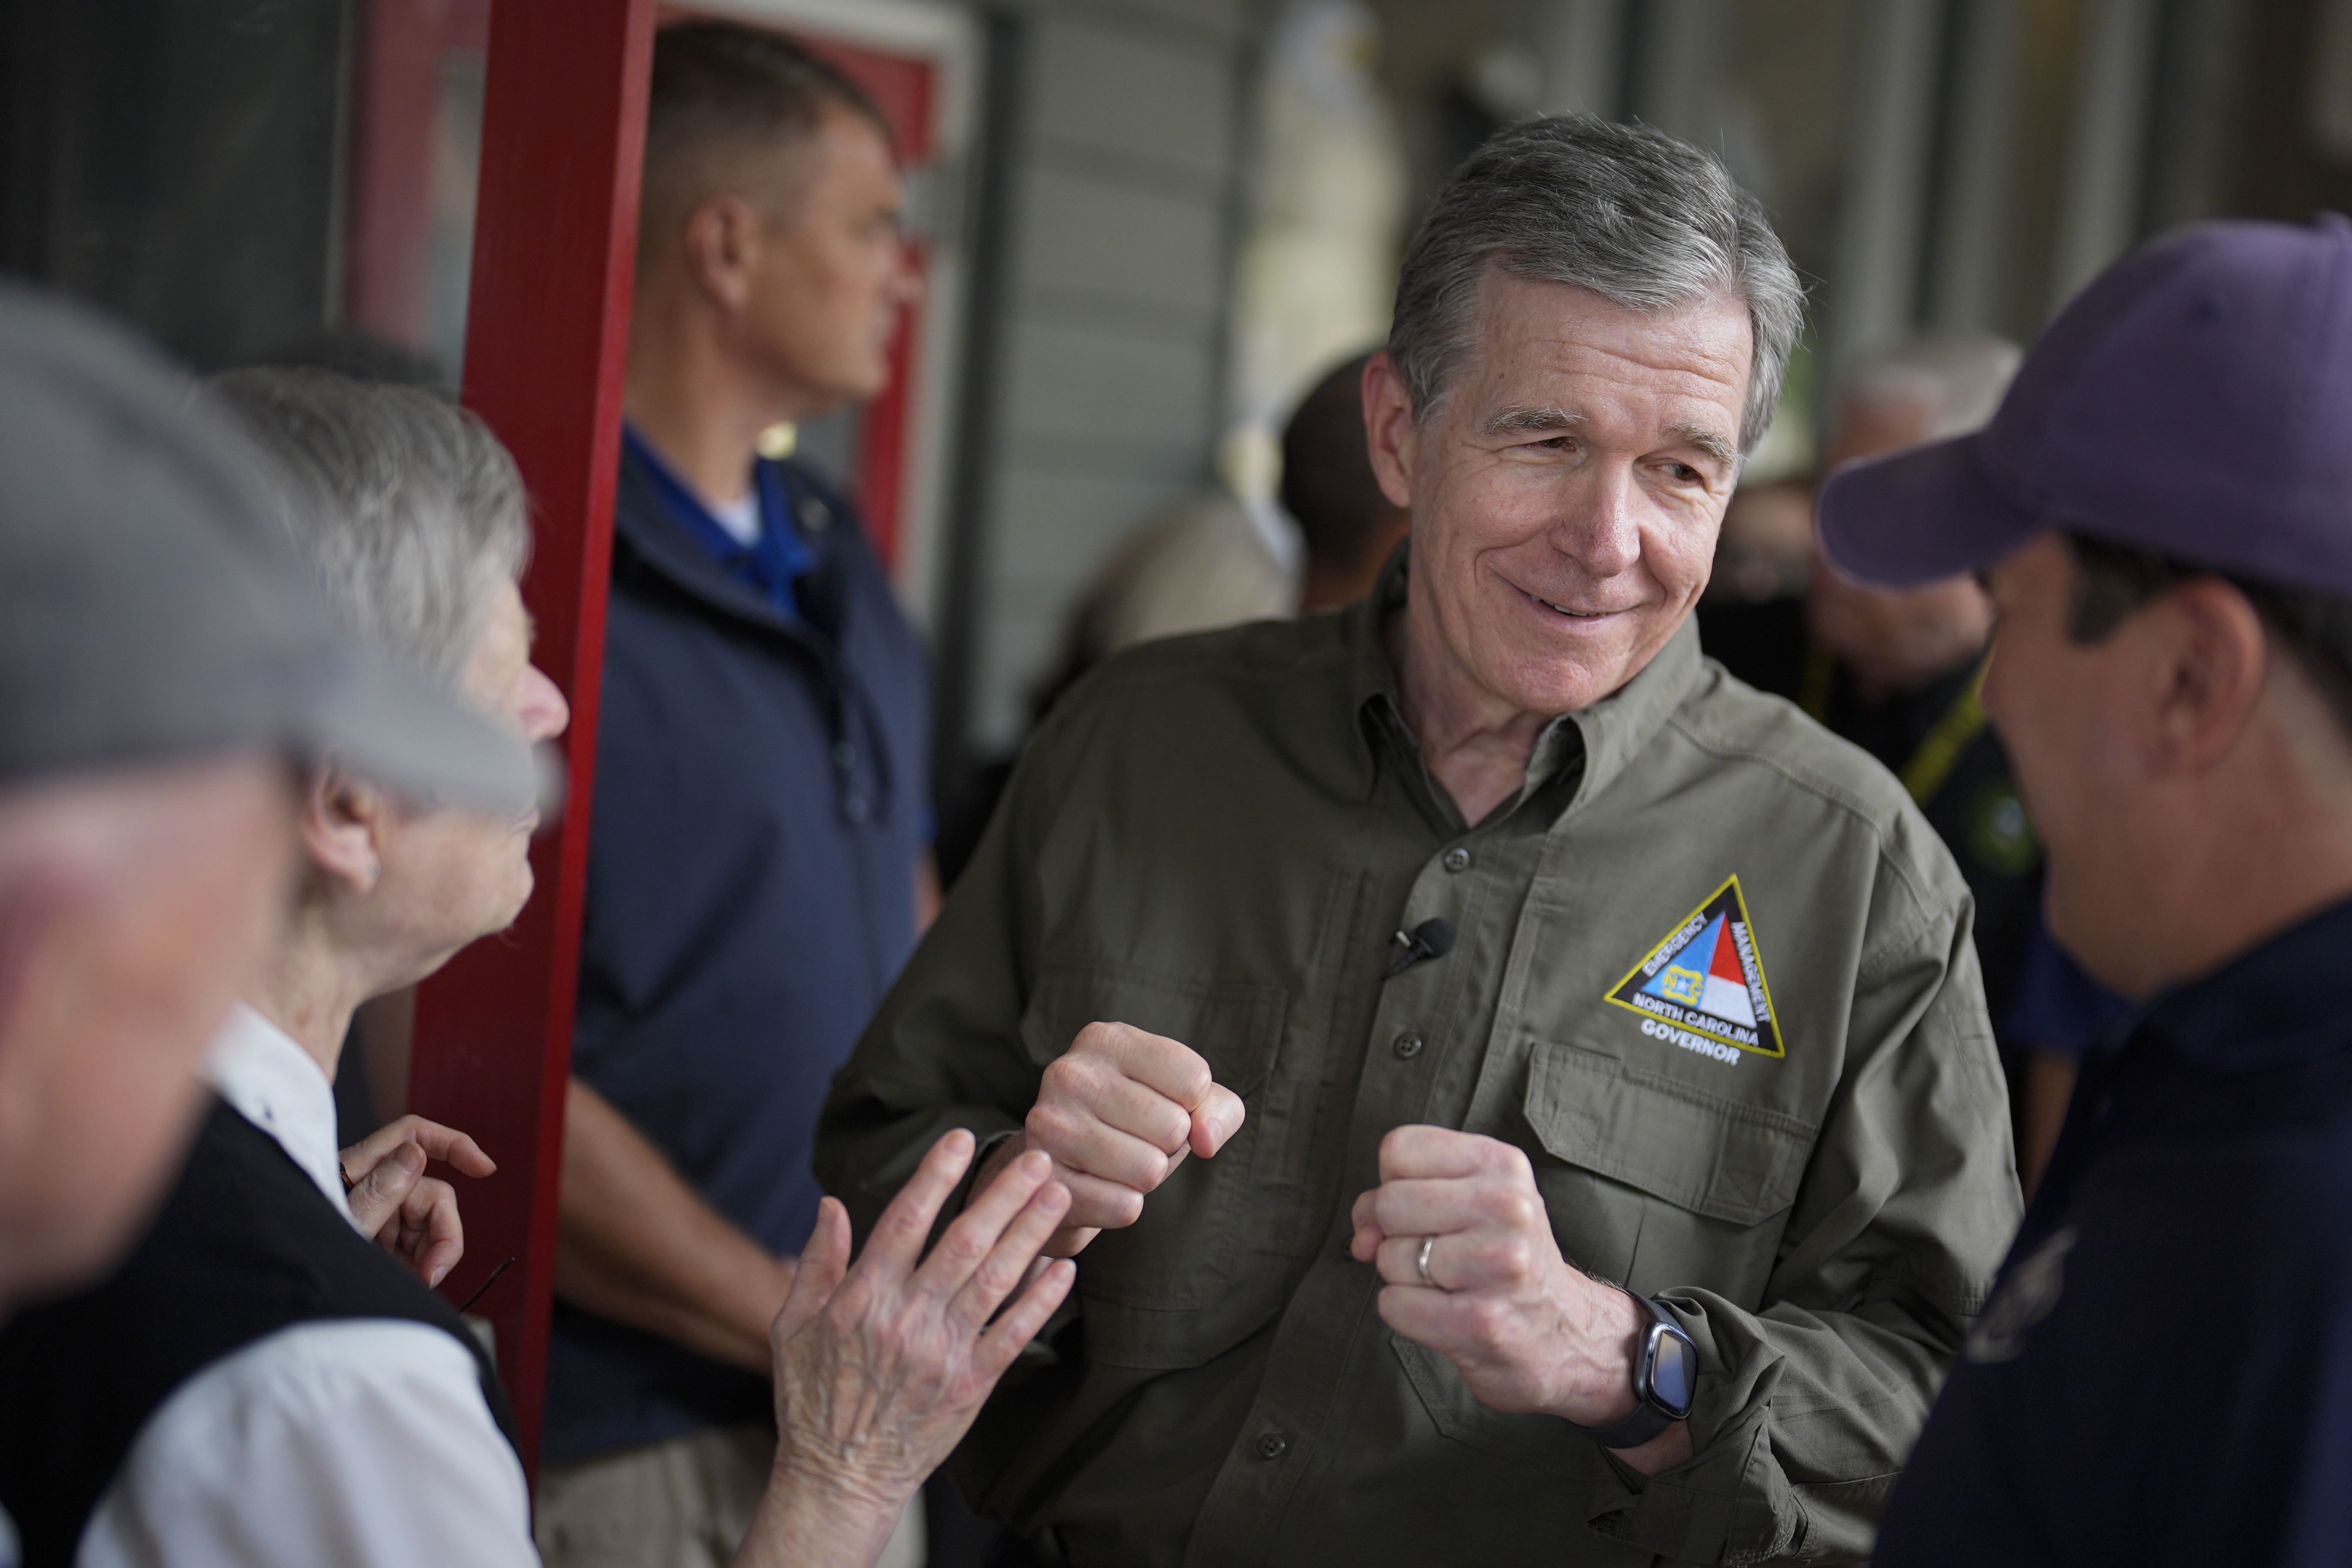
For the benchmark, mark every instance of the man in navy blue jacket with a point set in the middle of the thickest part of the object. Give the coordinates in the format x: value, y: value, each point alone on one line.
x: 2163, y: 511
x: 759, y: 797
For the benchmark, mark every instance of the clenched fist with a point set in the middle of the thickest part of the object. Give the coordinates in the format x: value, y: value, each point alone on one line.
x: 1118, y: 1111
x: 1526, y: 1329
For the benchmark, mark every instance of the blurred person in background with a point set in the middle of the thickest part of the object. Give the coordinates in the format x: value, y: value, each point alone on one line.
x: 1752, y: 619
x: 1198, y: 563
x: 293, y: 1391
x: 162, y: 666
x: 1350, y: 525
x: 1388, y: 986
x: 1348, y: 528
x: 1898, y: 672
x: 2160, y: 1376
x: 257, y: 1384
x: 1203, y: 565
x: 756, y: 867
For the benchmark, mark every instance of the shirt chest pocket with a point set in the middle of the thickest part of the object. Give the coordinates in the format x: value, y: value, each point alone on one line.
x: 1169, y: 1290
x: 1654, y: 1182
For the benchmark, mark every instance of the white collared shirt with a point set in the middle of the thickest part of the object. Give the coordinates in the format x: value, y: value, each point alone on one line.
x: 358, y: 1442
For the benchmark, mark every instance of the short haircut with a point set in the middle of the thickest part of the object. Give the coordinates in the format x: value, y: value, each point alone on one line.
x: 2113, y: 582
x: 1327, y: 483
x: 719, y: 87
x: 1639, y: 218
x: 1959, y: 377
x: 405, y: 506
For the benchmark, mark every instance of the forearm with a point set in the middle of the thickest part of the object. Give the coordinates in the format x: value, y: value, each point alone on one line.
x: 637, y: 1245
x: 804, y: 1523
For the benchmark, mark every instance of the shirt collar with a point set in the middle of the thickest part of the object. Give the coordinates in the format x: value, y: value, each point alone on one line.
x: 277, y: 1085
x: 2274, y: 1004
x: 1603, y: 738
x: 773, y: 564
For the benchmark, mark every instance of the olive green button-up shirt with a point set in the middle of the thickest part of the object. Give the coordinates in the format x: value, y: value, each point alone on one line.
x: 1712, y: 974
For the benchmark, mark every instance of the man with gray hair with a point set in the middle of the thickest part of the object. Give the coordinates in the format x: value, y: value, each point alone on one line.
x: 1523, y: 1094
x: 1897, y: 672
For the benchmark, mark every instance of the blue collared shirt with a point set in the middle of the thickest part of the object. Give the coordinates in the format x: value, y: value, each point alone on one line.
x: 773, y: 563
x: 2164, y: 1373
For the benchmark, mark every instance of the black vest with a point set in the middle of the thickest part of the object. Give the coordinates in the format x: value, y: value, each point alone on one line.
x: 245, y: 1246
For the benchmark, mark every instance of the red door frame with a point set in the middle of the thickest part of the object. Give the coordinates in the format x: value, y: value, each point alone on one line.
x: 547, y: 332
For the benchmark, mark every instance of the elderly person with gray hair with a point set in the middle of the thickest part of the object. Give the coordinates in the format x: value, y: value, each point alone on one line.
x: 1526, y: 1096
x: 1897, y: 672
x: 257, y: 1384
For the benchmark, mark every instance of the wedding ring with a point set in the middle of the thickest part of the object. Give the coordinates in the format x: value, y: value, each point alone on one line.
x: 1420, y: 1262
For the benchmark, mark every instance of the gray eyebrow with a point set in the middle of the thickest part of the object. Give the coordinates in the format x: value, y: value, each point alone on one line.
x: 1708, y: 442
x: 1523, y: 419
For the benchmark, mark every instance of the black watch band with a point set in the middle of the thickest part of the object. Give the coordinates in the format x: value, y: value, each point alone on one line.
x: 1663, y: 1399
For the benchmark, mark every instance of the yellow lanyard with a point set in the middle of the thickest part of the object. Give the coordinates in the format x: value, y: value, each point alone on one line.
x: 1931, y: 765
x: 1939, y: 753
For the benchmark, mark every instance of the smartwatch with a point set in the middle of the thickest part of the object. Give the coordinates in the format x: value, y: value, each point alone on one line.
x: 1665, y: 1380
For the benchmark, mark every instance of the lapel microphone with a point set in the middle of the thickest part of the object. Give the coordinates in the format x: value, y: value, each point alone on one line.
x: 1429, y: 939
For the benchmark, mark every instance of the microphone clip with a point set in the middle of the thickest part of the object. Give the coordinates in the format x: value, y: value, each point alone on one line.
x: 1429, y: 939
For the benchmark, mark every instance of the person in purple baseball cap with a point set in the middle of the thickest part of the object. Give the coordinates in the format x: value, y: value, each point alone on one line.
x: 2162, y: 512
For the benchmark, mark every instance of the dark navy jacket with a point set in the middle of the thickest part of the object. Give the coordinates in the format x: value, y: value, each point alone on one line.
x: 2164, y: 1373
x: 759, y: 803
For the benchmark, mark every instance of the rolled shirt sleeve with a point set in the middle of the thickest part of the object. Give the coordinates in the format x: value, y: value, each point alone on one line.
x: 1807, y: 1408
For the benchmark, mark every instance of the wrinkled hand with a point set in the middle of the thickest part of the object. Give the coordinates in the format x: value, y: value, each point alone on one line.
x: 1528, y: 1332
x: 880, y: 1367
x: 413, y: 1214
x: 1119, y: 1111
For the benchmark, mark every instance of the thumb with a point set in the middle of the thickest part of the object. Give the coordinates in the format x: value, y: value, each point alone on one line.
x: 381, y: 1192
x: 1216, y: 1120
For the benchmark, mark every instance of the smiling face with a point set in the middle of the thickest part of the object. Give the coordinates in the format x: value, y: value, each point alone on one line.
x: 1566, y: 492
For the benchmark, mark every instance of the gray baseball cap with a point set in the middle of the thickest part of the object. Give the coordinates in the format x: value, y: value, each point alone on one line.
x: 147, y: 614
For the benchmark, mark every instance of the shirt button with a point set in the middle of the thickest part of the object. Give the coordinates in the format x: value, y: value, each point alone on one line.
x: 1408, y: 1046
x: 1272, y: 1446
x: 1456, y: 859
x: 855, y: 809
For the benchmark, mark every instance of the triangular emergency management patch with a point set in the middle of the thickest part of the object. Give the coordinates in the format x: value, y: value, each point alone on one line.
x: 1706, y: 978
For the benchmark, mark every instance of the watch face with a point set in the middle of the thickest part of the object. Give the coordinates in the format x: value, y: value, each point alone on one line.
x: 1674, y: 1371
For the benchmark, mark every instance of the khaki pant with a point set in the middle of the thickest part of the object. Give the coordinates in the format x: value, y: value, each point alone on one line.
x: 684, y: 1503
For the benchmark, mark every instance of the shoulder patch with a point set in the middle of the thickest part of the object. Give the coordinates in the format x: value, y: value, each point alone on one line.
x: 1705, y: 977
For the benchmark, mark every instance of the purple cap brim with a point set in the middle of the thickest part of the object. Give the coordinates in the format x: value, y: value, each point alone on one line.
x: 1920, y: 517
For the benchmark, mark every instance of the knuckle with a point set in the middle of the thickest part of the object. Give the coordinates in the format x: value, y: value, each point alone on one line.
x: 1050, y: 1125
x: 961, y: 1247
x: 1192, y: 1074
x: 903, y: 1222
